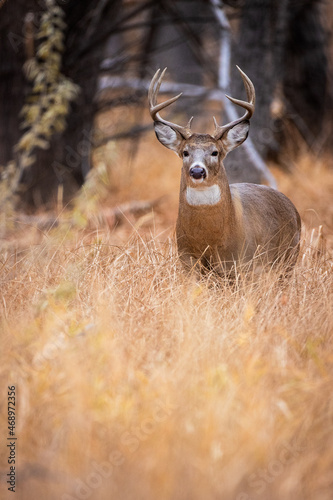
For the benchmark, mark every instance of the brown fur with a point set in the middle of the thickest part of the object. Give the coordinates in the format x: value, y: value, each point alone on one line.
x: 250, y: 222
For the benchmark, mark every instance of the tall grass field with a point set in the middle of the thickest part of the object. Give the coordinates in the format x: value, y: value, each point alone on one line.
x: 135, y: 381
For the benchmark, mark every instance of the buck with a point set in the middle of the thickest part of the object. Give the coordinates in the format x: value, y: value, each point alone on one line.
x: 221, y: 225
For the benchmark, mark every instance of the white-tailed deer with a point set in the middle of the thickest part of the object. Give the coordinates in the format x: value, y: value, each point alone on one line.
x: 219, y: 225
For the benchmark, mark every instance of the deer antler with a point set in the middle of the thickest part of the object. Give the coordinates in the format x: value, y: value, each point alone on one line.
x: 154, y: 108
x: 249, y: 106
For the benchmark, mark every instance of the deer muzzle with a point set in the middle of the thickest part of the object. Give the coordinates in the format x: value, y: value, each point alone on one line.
x: 198, y: 172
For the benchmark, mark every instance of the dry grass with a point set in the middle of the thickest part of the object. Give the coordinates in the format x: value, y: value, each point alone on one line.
x: 134, y: 381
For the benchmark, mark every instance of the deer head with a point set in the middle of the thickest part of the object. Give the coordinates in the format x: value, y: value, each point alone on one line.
x: 202, y: 154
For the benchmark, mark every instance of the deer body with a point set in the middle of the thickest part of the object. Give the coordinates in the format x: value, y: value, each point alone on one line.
x: 219, y: 225
x: 256, y: 221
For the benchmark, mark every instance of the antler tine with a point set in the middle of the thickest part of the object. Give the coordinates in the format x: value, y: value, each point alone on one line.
x: 154, y: 90
x: 152, y: 93
x: 249, y: 87
x: 249, y: 106
x: 154, y: 108
x: 159, y: 83
x: 151, y: 90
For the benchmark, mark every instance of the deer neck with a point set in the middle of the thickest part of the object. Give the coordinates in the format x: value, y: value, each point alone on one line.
x: 206, y: 214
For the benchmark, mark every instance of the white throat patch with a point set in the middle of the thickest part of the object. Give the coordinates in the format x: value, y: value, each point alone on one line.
x: 207, y: 196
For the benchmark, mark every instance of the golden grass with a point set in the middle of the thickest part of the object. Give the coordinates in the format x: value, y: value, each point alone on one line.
x: 134, y: 381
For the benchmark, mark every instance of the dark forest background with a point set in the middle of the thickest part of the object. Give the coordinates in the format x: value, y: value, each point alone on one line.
x: 62, y: 63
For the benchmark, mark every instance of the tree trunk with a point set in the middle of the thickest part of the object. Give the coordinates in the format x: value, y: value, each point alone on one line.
x: 179, y: 37
x: 13, y: 85
x: 305, y: 77
x: 67, y: 161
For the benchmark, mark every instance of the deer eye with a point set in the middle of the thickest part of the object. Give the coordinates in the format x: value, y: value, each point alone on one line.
x: 185, y: 153
x: 215, y: 153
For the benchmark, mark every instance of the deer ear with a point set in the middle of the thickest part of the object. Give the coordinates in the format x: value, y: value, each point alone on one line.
x: 235, y: 136
x: 167, y: 136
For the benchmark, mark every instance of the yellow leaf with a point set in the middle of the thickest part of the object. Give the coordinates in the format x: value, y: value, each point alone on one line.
x: 197, y: 290
x: 26, y: 141
x: 41, y: 143
x: 249, y: 312
x: 44, y: 51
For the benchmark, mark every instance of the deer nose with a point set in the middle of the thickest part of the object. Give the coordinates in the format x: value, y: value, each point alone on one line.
x: 198, y: 173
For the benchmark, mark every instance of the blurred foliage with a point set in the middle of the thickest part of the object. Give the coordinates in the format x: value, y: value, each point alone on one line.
x: 48, y: 102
